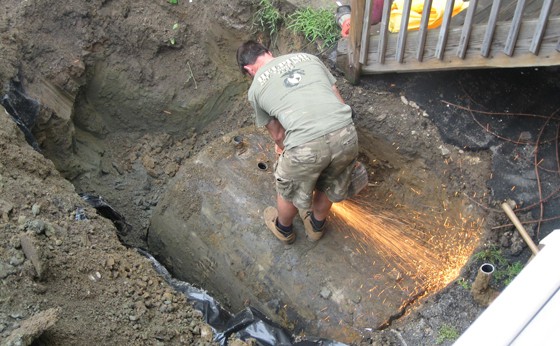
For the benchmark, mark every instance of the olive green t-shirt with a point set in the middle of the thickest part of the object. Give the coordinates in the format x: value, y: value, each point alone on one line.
x: 297, y: 90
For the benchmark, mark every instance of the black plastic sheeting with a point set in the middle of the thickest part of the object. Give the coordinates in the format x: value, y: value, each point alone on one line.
x: 23, y: 110
x: 250, y: 323
x: 105, y: 210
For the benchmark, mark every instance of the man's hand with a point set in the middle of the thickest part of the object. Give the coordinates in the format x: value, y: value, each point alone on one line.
x: 278, y: 150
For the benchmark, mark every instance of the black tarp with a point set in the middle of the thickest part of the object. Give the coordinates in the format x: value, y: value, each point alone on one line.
x: 23, y: 110
x: 249, y: 323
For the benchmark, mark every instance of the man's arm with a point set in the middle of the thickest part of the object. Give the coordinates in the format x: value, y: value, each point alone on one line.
x: 277, y: 132
x: 337, y: 93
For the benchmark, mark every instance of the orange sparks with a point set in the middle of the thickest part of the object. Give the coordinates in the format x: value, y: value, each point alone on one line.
x: 431, y: 251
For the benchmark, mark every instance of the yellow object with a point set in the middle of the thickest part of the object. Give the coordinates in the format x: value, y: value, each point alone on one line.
x: 417, y: 6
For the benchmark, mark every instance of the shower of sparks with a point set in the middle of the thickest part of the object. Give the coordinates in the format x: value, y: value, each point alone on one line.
x: 430, y: 248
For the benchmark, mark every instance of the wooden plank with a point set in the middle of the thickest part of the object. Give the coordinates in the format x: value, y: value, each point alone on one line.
x: 365, y: 31
x: 384, y: 31
x: 483, y: 13
x: 507, y: 12
x: 401, y: 39
x: 515, y: 27
x: 541, y: 27
x: 355, y: 37
x: 503, y: 61
x: 443, y: 32
x: 423, y: 31
x: 533, y: 8
x: 467, y: 28
x: 489, y: 34
x: 548, y: 56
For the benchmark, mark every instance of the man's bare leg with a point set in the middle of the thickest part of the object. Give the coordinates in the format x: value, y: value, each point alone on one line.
x: 286, y: 211
x: 321, y: 205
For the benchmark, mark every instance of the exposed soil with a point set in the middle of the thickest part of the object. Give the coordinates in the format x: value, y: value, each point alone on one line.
x: 120, y: 99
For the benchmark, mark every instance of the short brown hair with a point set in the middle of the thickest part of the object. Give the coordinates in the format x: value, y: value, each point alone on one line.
x: 248, y: 53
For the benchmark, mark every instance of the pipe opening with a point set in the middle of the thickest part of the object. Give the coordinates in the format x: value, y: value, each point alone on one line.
x: 487, y: 268
x: 262, y: 166
x: 238, y: 140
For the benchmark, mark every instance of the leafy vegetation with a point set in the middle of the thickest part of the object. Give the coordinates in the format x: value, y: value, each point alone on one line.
x: 267, y: 18
x: 464, y: 283
x: 447, y: 332
x: 509, y: 273
x: 491, y: 255
x: 504, y: 271
x: 318, y: 26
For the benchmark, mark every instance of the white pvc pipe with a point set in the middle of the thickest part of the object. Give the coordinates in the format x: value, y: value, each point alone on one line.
x: 511, y: 314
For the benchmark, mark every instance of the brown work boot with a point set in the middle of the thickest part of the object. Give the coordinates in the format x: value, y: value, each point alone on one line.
x: 270, y: 217
x: 312, y: 233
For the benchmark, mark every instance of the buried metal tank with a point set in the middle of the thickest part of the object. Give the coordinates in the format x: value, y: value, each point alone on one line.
x: 208, y: 229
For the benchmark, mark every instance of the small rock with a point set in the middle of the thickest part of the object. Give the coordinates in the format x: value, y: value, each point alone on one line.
x: 33, y: 253
x: 110, y: 262
x: 36, y: 226
x: 206, y: 333
x: 171, y: 169
x: 5, y: 208
x: 325, y: 293
x: 36, y: 209
x: 15, y: 242
x: 33, y: 327
x: 444, y: 151
x: 5, y: 270
x: 17, y: 259
x: 167, y: 297
x: 356, y: 298
x: 148, y: 162
x: 39, y: 289
x: 525, y: 136
x: 404, y: 100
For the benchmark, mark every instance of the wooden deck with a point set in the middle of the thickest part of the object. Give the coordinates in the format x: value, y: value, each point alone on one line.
x: 488, y: 34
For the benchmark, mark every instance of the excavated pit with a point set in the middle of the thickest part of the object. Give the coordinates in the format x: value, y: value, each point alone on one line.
x: 199, y: 211
x: 193, y: 178
x: 195, y: 202
x: 144, y: 111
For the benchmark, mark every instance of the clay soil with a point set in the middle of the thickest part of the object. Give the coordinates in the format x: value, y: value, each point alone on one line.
x: 124, y: 94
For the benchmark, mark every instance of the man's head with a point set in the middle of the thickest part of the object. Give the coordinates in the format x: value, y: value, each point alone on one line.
x: 248, y: 54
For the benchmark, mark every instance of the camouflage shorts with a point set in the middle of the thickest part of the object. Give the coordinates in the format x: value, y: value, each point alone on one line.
x: 324, y: 163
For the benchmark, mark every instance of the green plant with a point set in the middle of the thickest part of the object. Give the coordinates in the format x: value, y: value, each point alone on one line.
x: 172, y: 39
x: 447, y: 332
x: 504, y: 271
x: 509, y: 273
x: 315, y: 25
x: 267, y: 18
x: 464, y: 283
x: 173, y: 2
x: 491, y: 255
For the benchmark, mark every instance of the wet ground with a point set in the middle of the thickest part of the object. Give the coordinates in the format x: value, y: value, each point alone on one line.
x: 512, y: 113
